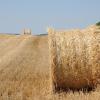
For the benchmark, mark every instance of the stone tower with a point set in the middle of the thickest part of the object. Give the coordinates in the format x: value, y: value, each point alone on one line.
x: 27, y: 32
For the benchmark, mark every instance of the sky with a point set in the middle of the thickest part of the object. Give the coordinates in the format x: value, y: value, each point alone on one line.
x: 38, y: 15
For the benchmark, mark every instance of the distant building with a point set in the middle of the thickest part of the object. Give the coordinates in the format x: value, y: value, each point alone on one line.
x: 27, y: 32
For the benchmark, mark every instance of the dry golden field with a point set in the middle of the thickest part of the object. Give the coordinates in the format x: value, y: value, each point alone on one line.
x: 24, y: 71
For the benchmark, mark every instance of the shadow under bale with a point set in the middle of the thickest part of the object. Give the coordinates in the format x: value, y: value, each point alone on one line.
x: 85, y: 89
x: 74, y: 59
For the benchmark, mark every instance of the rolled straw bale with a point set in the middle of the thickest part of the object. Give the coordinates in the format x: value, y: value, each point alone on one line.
x: 74, y: 58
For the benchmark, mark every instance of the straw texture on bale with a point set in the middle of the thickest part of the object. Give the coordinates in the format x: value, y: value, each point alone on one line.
x: 74, y: 58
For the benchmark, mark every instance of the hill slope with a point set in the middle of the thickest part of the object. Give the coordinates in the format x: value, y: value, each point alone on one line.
x: 18, y: 54
x: 23, y: 61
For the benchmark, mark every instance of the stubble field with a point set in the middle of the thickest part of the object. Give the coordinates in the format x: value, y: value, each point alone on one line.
x: 25, y: 71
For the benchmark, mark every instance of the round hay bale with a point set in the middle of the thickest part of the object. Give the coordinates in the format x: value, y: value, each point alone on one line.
x: 75, y: 59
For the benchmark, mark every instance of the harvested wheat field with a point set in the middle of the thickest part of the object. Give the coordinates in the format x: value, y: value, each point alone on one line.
x: 25, y: 70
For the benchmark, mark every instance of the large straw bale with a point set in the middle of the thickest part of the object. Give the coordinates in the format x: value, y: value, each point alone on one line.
x: 75, y: 59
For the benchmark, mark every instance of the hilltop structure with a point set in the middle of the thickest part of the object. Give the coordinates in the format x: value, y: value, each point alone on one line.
x: 27, y: 32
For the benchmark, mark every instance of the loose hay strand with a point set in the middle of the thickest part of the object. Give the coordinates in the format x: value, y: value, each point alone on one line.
x: 52, y: 43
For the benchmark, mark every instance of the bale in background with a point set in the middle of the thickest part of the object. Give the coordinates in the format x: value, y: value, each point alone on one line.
x: 75, y: 59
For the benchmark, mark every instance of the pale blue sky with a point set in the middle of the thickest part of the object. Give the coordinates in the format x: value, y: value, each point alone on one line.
x: 40, y: 14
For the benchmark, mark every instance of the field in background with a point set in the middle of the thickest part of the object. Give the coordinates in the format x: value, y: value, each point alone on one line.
x: 24, y: 71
